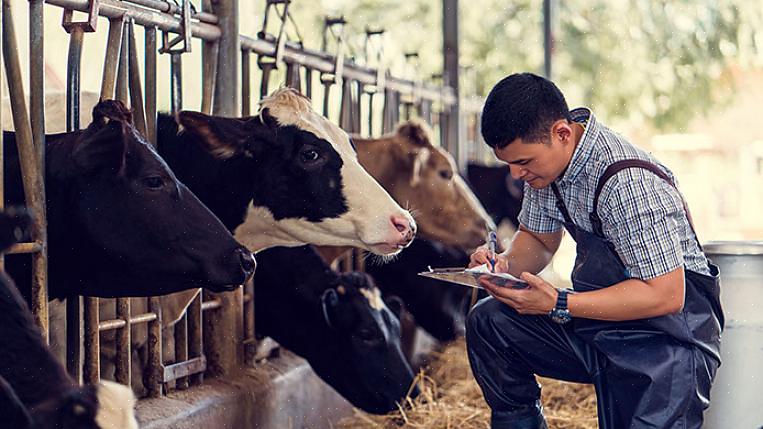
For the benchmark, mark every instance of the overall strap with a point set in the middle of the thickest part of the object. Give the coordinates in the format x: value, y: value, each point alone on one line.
x: 633, y: 163
x: 560, y: 204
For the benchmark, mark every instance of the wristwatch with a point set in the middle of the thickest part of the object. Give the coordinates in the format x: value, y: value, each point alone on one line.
x: 560, y: 313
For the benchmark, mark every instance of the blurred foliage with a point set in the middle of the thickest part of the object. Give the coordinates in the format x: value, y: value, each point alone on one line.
x: 659, y: 63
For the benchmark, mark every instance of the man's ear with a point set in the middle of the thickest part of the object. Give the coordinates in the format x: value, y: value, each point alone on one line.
x: 228, y: 137
x: 562, y: 130
x: 101, y: 149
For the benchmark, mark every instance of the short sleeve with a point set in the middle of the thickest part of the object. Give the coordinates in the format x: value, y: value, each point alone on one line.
x: 642, y: 216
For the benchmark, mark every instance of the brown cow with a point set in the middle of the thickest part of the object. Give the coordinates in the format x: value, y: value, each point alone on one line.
x: 423, y: 177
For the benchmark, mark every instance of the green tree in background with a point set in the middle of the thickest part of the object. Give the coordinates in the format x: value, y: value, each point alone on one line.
x: 658, y: 63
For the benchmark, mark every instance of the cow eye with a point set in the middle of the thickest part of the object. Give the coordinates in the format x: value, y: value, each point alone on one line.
x: 446, y: 174
x: 153, y: 182
x: 310, y: 155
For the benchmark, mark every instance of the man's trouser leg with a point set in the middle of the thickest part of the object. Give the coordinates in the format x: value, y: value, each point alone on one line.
x: 507, y: 349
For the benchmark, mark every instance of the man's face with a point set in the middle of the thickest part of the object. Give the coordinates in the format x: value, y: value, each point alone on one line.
x: 539, y: 163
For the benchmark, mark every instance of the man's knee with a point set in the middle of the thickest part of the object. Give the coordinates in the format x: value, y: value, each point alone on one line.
x: 484, y: 316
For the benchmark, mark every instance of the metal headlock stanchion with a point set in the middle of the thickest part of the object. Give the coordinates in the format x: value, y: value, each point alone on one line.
x: 329, y: 78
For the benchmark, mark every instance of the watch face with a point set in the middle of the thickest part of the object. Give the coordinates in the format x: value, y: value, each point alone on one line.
x: 561, y: 316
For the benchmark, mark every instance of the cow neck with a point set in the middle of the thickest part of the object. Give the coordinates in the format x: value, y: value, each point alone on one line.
x: 25, y: 362
x: 206, y: 176
x: 378, y: 158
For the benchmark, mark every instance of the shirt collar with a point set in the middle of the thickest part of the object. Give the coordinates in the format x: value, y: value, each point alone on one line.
x: 585, y: 145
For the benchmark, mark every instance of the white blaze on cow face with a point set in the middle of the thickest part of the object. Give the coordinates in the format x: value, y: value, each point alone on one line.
x: 116, y: 406
x: 374, y: 221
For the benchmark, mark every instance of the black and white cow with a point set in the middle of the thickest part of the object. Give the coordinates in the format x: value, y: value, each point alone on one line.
x: 439, y: 308
x: 338, y: 322
x: 35, y: 390
x: 285, y: 177
x: 119, y: 221
x: 500, y: 193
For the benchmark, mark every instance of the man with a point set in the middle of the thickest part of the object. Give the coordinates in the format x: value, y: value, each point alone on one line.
x: 644, y: 320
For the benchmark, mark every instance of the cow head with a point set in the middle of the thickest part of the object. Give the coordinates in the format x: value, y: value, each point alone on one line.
x: 305, y: 181
x: 424, y: 178
x: 105, y: 405
x: 122, y: 222
x: 366, y: 364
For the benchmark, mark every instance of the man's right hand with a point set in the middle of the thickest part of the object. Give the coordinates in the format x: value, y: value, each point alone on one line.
x: 481, y: 256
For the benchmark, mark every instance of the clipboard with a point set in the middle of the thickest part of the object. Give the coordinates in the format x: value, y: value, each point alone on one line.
x: 470, y: 277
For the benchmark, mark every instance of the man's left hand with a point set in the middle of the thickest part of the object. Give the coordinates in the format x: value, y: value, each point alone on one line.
x: 539, y: 298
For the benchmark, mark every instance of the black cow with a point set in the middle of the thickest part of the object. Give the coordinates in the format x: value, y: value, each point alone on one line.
x: 35, y: 390
x: 119, y: 221
x: 338, y: 322
x: 287, y: 176
x: 439, y: 308
x: 500, y: 193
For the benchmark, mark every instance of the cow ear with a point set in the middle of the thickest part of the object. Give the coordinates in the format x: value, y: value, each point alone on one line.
x: 102, y: 147
x: 395, y: 304
x: 416, y: 132
x: 228, y: 137
x: 417, y: 161
x: 13, y: 412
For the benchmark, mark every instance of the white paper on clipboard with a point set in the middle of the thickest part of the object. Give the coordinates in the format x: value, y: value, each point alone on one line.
x: 470, y: 277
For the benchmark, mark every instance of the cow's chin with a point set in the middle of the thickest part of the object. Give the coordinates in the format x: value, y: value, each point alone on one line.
x: 386, y: 249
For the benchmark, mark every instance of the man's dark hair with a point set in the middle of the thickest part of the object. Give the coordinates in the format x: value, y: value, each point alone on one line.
x: 522, y: 105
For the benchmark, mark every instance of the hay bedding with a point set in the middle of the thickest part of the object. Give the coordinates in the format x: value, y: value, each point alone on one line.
x: 451, y: 399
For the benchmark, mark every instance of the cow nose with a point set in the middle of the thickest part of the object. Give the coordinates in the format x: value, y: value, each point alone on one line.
x: 404, y: 225
x: 247, y: 261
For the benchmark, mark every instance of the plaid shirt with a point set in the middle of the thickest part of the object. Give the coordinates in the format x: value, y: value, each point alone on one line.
x: 642, y: 215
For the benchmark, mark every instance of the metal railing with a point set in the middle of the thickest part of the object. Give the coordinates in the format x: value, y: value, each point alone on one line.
x: 210, y: 334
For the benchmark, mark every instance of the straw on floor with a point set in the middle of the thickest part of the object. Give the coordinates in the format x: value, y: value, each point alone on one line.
x: 450, y: 398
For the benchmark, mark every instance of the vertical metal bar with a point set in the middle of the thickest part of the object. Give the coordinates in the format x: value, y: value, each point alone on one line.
x: 74, y: 335
x: 195, y: 335
x: 176, y: 85
x: 150, y: 36
x: 292, y: 76
x: 2, y: 154
x: 155, y: 367
x: 371, y: 114
x: 136, y: 89
x: 123, y: 367
x: 122, y: 70
x: 37, y: 111
x: 246, y: 82
x: 548, y: 37
x: 266, y: 68
x: 249, y: 336
x: 326, y: 97
x: 346, y: 121
x: 209, y: 53
x: 226, y: 90
x: 91, y: 373
x: 181, y: 348
x: 450, y: 76
x: 308, y: 83
x: 113, y: 46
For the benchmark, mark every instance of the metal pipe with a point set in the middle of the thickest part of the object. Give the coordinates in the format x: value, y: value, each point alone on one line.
x: 142, y: 16
x: 154, y: 344
x: 249, y: 335
x: 123, y: 66
x: 246, y: 82
x: 123, y: 365
x: 109, y: 325
x: 209, y: 54
x: 24, y: 248
x: 169, y: 8
x: 266, y: 68
x: 309, y: 83
x: 176, y: 86
x: 150, y: 36
x: 37, y: 76
x: 181, y: 348
x: 73, y: 79
x: 113, y: 46
x: 325, y: 63
x: 136, y: 89
x: 195, y: 336
x: 91, y: 371
x: 31, y: 167
x: 226, y: 91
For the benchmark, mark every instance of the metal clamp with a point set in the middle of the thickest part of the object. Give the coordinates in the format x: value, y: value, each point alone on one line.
x: 88, y: 26
x: 329, y: 24
x: 279, y: 41
x: 168, y: 46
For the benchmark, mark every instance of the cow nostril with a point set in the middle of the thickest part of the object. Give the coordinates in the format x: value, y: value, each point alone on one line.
x: 401, y: 224
x: 248, y: 263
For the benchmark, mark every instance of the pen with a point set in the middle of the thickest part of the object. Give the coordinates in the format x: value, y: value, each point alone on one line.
x: 492, y: 238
